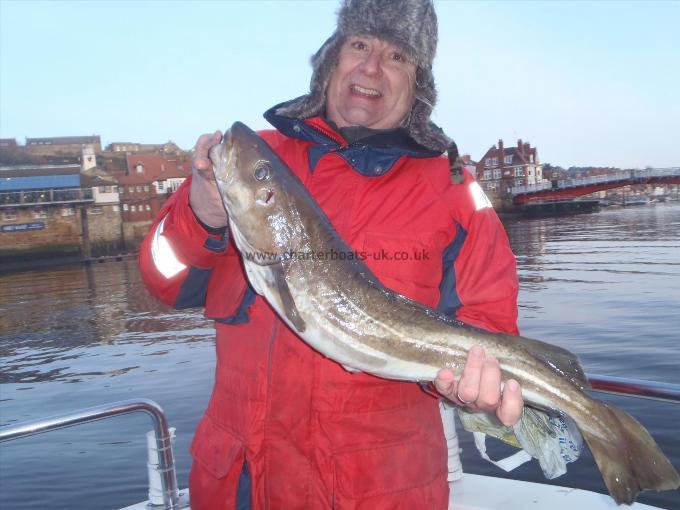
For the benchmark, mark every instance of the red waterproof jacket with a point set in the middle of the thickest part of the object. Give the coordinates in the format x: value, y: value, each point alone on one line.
x: 313, y: 435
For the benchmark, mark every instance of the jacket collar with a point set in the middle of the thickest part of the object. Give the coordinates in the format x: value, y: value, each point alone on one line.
x: 373, y: 155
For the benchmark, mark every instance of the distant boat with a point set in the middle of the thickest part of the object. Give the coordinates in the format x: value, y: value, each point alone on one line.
x: 635, y: 201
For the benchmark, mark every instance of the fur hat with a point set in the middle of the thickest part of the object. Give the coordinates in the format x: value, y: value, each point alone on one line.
x: 411, y: 25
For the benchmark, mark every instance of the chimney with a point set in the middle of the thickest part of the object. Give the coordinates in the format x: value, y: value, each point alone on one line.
x: 500, y: 152
x: 519, y: 145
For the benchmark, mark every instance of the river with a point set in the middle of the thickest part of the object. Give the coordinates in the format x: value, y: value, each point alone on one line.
x: 605, y: 285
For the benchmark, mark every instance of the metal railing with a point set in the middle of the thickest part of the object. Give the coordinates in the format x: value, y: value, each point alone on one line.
x: 599, y: 179
x: 45, y: 197
x: 667, y: 392
x: 166, y: 459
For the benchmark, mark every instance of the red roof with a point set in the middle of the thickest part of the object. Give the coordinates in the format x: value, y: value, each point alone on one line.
x: 153, y: 168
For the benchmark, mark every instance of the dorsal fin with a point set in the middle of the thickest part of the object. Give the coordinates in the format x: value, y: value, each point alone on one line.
x: 559, y: 359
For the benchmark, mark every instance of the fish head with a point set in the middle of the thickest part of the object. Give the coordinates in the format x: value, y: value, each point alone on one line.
x: 258, y: 192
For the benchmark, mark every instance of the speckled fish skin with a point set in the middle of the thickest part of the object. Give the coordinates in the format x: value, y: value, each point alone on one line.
x: 339, y: 307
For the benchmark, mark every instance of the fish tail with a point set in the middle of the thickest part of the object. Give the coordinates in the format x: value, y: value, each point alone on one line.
x: 628, y: 457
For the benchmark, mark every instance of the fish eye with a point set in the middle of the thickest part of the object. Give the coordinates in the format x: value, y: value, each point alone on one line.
x: 262, y: 171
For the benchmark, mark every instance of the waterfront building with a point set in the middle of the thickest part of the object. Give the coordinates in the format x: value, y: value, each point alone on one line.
x: 503, y: 168
x: 55, y: 210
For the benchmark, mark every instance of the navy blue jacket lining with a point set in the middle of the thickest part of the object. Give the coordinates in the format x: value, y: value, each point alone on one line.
x: 449, y: 300
x: 370, y: 156
x: 194, y: 288
x: 241, y: 314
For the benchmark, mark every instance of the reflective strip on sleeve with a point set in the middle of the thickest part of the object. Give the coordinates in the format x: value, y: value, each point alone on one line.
x: 163, y: 257
x: 478, y: 195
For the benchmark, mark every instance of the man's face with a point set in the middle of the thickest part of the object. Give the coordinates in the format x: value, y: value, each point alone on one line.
x: 373, y: 85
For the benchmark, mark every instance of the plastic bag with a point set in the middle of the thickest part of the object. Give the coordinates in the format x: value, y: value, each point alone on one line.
x: 554, y: 440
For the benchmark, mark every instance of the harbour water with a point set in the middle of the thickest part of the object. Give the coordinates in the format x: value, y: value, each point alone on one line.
x: 604, y: 285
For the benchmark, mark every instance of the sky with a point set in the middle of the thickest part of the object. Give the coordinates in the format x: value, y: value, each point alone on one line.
x: 588, y: 83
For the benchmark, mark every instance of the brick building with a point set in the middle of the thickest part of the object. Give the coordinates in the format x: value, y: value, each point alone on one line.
x: 146, y: 183
x: 163, y: 149
x: 503, y: 168
x: 62, y: 145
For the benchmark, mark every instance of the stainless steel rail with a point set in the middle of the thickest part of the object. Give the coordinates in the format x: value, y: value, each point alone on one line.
x: 667, y: 392
x: 160, y: 424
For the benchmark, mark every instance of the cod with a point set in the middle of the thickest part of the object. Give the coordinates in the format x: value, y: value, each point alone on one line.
x: 341, y: 309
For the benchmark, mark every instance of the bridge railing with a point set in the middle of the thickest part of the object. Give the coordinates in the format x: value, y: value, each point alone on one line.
x: 624, y: 175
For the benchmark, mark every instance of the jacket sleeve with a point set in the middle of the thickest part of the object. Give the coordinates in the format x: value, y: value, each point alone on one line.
x: 484, y: 269
x: 178, y: 255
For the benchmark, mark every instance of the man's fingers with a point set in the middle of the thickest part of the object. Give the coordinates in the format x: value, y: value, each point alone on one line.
x: 489, y: 386
x: 512, y: 404
x: 468, y: 386
x: 445, y: 383
x: 200, y: 159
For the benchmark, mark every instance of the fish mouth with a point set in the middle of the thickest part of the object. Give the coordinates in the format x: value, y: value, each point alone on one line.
x: 265, y: 197
x: 365, y: 91
x: 222, y: 156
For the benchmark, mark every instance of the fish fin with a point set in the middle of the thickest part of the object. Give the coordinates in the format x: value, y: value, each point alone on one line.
x: 287, y: 301
x: 628, y: 457
x: 559, y: 359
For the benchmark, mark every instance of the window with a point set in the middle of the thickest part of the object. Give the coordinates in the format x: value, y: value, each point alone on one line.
x: 95, y: 210
x: 39, y: 213
x: 67, y: 211
x: 116, y: 208
x: 125, y: 207
x: 531, y: 158
x: 139, y: 168
x: 139, y: 189
x: 131, y: 189
x: 497, y: 173
x: 133, y: 208
x: 519, y: 182
x: 147, y: 207
x: 146, y: 188
x: 161, y: 184
x: 519, y: 172
x: 508, y: 159
x: 487, y: 175
x: 9, y: 215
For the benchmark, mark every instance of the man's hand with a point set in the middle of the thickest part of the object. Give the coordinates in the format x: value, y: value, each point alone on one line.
x: 479, y: 388
x: 204, y: 196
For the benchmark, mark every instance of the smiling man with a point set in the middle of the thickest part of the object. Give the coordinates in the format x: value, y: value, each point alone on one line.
x: 287, y: 428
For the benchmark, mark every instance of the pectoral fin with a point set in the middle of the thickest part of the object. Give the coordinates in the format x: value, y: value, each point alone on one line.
x: 287, y: 301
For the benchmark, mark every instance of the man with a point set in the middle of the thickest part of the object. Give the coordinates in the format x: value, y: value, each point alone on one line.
x: 287, y: 428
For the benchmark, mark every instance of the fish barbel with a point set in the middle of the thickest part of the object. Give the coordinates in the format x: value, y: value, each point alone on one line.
x: 339, y: 307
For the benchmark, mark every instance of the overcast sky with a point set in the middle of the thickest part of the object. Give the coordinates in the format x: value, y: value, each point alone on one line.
x: 588, y: 83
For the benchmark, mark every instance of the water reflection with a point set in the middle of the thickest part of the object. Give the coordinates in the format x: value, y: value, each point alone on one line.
x: 52, y: 321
